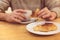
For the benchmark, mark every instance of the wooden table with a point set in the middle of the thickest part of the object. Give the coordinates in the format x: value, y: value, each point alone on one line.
x: 10, y: 31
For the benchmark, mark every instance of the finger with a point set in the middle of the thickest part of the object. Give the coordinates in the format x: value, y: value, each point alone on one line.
x: 20, y: 10
x: 43, y: 10
x: 40, y: 12
x: 46, y: 16
x: 43, y: 13
x: 22, y: 15
x: 52, y: 17
x: 16, y: 20
x: 19, y: 17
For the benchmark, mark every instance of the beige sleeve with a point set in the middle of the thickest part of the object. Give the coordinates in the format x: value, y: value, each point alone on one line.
x: 4, y: 4
x: 53, y: 5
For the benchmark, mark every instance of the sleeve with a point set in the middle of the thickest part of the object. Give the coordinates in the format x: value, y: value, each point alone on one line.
x: 53, y: 5
x: 4, y: 4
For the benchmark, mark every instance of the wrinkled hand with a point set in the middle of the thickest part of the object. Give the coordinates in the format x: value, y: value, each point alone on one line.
x: 47, y: 14
x: 16, y: 16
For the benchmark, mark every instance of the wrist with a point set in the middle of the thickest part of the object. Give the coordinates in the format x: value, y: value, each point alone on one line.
x: 3, y: 16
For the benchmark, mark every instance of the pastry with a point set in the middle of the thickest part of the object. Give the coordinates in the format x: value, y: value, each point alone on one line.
x: 45, y: 27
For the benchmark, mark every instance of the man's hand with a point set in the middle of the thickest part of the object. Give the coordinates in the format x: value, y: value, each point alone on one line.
x: 47, y: 14
x: 16, y: 16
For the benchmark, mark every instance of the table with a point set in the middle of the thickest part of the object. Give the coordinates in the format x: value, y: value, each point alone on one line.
x: 9, y: 31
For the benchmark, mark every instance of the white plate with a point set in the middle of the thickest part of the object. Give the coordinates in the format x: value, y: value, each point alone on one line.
x: 30, y: 21
x: 30, y: 27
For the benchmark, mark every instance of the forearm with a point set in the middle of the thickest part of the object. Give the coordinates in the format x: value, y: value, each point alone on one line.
x: 56, y: 10
x: 4, y: 4
x: 2, y: 16
x: 53, y: 5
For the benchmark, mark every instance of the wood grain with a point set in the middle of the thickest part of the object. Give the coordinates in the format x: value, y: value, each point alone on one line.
x: 9, y: 31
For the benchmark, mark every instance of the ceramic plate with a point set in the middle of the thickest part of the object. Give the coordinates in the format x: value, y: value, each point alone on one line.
x: 30, y: 21
x: 30, y: 27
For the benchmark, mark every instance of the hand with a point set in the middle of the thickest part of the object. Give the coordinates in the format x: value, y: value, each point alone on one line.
x: 47, y: 14
x: 16, y: 16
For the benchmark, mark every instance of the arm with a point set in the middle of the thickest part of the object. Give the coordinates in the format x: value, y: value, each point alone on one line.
x: 2, y: 16
x: 4, y: 4
x: 53, y: 5
x: 15, y: 17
